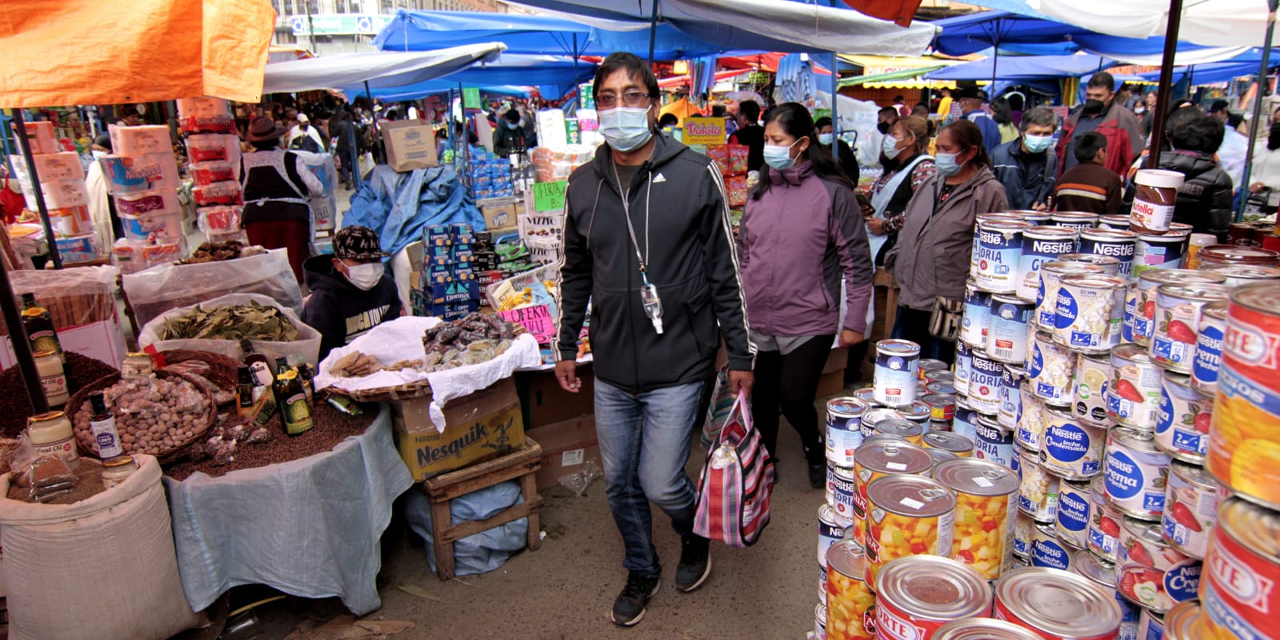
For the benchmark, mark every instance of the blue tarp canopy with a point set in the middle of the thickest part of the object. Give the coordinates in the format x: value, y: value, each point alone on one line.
x: 1023, y: 34
x: 716, y: 26
x: 444, y: 86
x: 1023, y: 68
x: 510, y: 70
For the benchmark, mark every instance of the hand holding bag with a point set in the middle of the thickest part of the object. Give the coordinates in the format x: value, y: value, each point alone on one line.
x: 736, y: 483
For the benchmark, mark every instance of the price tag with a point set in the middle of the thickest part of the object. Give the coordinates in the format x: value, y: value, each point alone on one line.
x: 549, y: 196
x: 983, y: 482
x: 536, y: 320
x: 910, y: 502
x: 896, y: 466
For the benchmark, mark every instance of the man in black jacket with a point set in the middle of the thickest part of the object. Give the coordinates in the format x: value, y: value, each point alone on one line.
x: 647, y: 239
x: 750, y: 133
x: 351, y: 291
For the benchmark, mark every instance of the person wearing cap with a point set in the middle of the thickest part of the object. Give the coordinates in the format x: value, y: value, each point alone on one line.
x: 304, y: 137
x: 351, y: 291
x: 508, y: 138
x: 276, y: 185
x: 970, y: 101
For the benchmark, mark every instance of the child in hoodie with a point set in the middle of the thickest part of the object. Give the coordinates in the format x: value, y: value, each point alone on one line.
x: 351, y: 291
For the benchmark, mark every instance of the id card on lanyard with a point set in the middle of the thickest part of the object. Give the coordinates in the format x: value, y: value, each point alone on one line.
x: 648, y: 292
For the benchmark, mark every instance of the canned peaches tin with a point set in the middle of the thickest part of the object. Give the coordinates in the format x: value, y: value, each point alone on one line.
x: 850, y: 602
x: 908, y: 516
x: 1244, y: 438
x: 986, y: 505
x: 1239, y: 593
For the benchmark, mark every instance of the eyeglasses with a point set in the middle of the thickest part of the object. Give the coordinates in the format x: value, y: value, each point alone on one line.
x: 630, y: 99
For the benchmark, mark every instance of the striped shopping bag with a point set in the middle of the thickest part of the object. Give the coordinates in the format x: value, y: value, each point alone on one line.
x: 736, y: 483
x: 718, y: 410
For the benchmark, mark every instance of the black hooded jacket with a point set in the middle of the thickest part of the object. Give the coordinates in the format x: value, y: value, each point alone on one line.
x: 677, y: 207
x: 339, y: 310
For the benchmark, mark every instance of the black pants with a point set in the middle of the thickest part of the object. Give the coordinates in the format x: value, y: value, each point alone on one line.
x: 790, y: 382
x: 913, y: 325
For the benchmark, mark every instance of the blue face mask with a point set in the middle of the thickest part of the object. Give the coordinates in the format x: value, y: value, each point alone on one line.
x: 826, y: 138
x: 947, y: 164
x: 513, y: 125
x: 625, y: 128
x: 778, y: 156
x: 1037, y: 144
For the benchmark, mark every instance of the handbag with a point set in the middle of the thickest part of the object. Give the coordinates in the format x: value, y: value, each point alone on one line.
x: 736, y: 483
x: 722, y: 401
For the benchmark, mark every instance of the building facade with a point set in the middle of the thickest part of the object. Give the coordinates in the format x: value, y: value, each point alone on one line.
x: 348, y: 26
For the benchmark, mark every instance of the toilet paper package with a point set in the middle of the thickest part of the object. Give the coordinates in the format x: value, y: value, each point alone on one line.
x: 42, y: 136
x: 144, y: 202
x: 154, y: 228
x: 217, y: 194
x: 82, y: 248
x: 136, y: 141
x: 210, y: 147
x: 61, y: 194
x: 132, y: 174
x: 203, y: 107
x: 70, y: 221
x: 51, y: 166
x: 207, y: 173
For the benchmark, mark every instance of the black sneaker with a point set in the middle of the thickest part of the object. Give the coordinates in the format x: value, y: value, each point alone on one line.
x: 818, y: 475
x: 629, y: 608
x: 695, y: 563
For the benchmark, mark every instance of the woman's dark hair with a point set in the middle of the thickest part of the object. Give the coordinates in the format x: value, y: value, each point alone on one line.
x: 1001, y: 112
x: 1203, y: 134
x: 1177, y: 119
x: 969, y: 136
x: 795, y: 120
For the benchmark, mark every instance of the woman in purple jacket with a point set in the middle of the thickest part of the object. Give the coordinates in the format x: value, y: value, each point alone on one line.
x: 802, y: 237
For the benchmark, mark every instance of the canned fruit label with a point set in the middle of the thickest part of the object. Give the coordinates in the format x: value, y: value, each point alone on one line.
x: 1032, y: 426
x: 1159, y: 590
x: 849, y: 600
x: 1142, y: 314
x: 1173, y: 342
x: 1074, y: 510
x: 1088, y: 317
x: 1208, y: 357
x: 1133, y: 395
x: 1241, y: 587
x: 1049, y: 552
x: 993, y: 443
x: 1010, y: 398
x: 1244, y: 437
x: 1072, y: 450
x: 1188, y: 516
x: 983, y: 532
x: 1038, y: 494
x: 1104, y: 530
x: 984, y: 384
x: 891, y: 535
x: 1136, y: 481
x: 1051, y: 369
x: 1007, y: 335
x: 1182, y: 422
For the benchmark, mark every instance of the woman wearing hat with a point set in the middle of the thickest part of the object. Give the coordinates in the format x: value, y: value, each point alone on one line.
x: 276, y: 186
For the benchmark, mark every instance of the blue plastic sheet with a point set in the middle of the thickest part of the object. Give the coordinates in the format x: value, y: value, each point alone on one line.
x: 484, y: 551
x: 400, y: 205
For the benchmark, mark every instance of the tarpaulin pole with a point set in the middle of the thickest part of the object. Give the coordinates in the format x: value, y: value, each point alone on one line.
x: 1166, y: 81
x: 835, y: 110
x: 653, y: 32
x: 995, y: 61
x: 24, y: 143
x: 1257, y: 103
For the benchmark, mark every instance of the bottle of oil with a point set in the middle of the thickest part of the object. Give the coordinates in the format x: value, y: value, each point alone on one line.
x: 38, y: 324
x: 259, y: 366
x: 245, y: 392
x: 307, y: 377
x: 295, y: 413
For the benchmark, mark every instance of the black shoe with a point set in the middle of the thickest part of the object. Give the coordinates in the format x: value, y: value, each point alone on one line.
x: 695, y: 563
x: 629, y: 608
x: 818, y: 475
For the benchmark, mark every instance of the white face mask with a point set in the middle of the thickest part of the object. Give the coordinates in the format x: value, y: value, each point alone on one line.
x: 890, y: 147
x: 365, y: 276
x: 98, y: 154
x: 826, y: 138
x: 625, y: 128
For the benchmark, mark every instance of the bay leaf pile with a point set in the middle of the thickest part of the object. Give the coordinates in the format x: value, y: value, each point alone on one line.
x: 237, y: 322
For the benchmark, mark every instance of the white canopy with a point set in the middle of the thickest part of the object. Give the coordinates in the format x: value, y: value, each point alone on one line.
x: 1225, y: 23
x: 382, y: 70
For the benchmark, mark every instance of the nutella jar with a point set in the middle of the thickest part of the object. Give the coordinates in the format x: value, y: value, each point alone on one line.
x: 1153, y: 202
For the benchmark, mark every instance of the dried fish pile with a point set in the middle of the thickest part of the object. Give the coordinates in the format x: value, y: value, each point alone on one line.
x: 474, y: 339
x: 216, y: 252
x: 358, y: 365
x: 237, y: 322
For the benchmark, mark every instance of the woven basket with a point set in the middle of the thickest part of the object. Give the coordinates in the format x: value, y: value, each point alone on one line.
x: 401, y: 392
x: 165, y: 455
x: 223, y: 370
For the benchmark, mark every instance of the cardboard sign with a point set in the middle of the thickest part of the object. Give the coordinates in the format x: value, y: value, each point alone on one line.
x: 704, y: 130
x: 549, y: 196
x: 536, y: 319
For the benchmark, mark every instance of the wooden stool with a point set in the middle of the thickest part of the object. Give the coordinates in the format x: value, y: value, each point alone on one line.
x: 883, y: 278
x: 521, y: 464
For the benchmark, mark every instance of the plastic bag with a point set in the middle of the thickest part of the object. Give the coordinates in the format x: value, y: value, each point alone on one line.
x: 482, y: 552
x: 305, y: 349
x: 165, y: 287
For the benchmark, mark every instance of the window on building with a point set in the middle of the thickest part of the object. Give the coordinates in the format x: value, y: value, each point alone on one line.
x: 275, y: 5
x: 313, y: 7
x: 340, y: 6
x: 388, y: 6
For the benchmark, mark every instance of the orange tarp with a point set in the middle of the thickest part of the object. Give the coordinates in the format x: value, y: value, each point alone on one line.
x: 65, y: 52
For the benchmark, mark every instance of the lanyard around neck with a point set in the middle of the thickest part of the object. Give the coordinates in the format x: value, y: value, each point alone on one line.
x: 625, y: 192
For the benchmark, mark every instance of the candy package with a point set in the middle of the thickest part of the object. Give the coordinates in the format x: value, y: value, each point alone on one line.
x: 719, y: 154
x: 738, y: 154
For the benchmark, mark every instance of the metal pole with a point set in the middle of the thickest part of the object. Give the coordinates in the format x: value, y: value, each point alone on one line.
x: 1166, y: 79
x: 653, y: 31
x: 995, y: 61
x: 1257, y: 102
x: 21, y: 344
x: 24, y: 143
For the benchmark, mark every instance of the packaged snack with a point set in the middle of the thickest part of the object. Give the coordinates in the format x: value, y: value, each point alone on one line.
x: 738, y: 154
x: 719, y: 154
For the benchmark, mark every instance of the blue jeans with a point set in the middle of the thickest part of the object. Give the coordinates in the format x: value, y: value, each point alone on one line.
x: 644, y: 443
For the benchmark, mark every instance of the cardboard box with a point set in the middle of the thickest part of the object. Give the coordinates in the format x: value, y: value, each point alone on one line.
x: 480, y: 426
x: 499, y: 213
x: 546, y: 403
x: 566, y: 447
x: 411, y: 144
x: 837, y: 361
x: 830, y: 384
